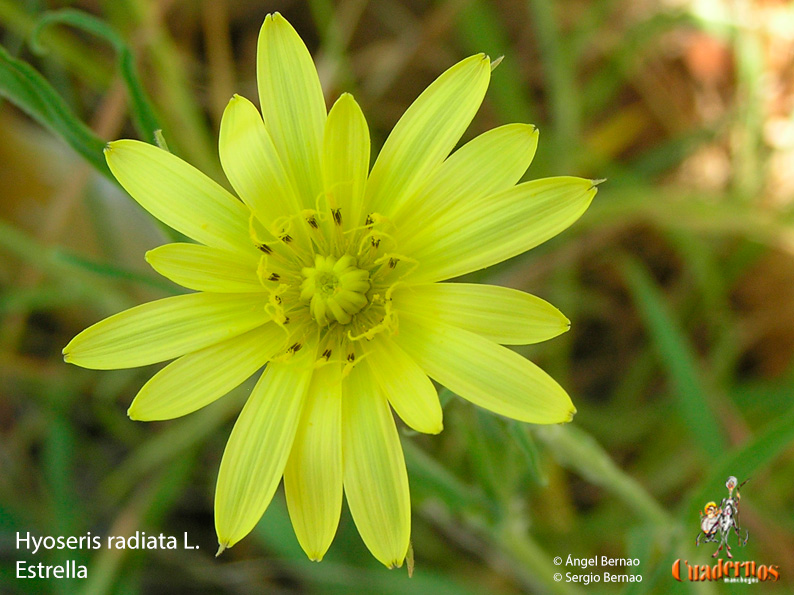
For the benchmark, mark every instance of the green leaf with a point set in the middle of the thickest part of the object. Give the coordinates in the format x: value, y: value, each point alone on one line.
x: 27, y: 89
x: 142, y: 111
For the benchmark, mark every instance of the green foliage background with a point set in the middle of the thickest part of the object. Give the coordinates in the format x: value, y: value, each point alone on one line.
x: 679, y: 282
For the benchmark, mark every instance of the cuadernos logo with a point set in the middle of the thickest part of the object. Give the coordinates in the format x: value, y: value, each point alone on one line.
x: 739, y: 572
x: 718, y: 523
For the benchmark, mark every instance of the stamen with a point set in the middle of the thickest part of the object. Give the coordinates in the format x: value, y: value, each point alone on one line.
x: 392, y: 257
x: 373, y: 238
x: 388, y: 323
x: 352, y: 362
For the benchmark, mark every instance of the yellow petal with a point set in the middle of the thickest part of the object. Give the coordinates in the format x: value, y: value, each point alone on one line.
x: 313, y: 476
x: 258, y: 447
x: 492, y: 162
x: 179, y: 195
x: 252, y: 164
x: 376, y: 482
x: 346, y: 159
x: 164, y: 329
x: 201, y: 377
x: 205, y: 268
x: 484, y: 373
x: 406, y: 386
x: 503, y: 315
x: 476, y: 234
x: 292, y: 104
x: 426, y: 133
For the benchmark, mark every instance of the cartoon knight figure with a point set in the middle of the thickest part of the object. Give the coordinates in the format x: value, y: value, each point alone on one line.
x: 733, y: 499
x: 716, y: 523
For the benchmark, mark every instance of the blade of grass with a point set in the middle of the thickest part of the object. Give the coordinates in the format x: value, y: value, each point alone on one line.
x: 183, y: 119
x: 678, y: 359
x: 704, y: 214
x: 29, y: 91
x: 335, y: 23
x: 529, y: 450
x: 428, y: 474
x: 743, y: 462
x: 142, y: 111
x: 111, y: 271
x: 58, y: 466
x: 605, y: 84
x: 485, y: 453
x: 558, y: 72
x: 748, y: 159
x: 149, y: 502
x: 481, y: 31
x: 577, y: 450
x: 74, y: 280
x: 703, y: 259
x: 21, y: 300
x: 171, y: 443
x: 79, y: 59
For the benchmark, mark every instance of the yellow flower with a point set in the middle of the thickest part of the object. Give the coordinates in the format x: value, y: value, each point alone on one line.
x: 328, y: 273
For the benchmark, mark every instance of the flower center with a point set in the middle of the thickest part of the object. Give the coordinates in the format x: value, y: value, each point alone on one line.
x: 335, y: 289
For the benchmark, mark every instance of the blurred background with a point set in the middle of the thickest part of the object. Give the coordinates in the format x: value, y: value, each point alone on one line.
x: 679, y: 282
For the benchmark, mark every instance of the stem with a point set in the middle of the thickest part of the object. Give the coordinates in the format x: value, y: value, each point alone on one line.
x: 577, y: 450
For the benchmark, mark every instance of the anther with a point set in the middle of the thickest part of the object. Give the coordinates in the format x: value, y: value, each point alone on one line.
x: 274, y: 277
x: 337, y: 213
x: 265, y: 248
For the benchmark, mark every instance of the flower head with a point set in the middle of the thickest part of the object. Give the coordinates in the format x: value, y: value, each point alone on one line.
x: 327, y: 273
